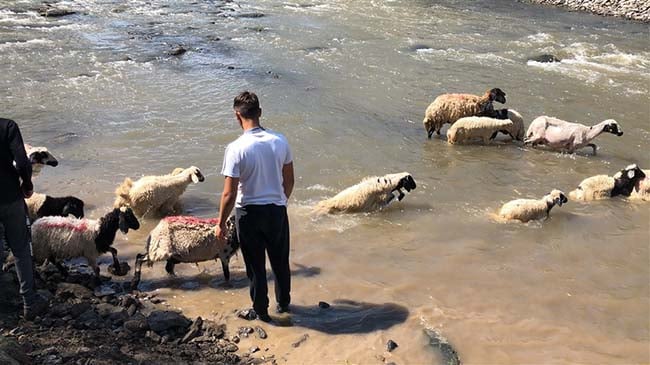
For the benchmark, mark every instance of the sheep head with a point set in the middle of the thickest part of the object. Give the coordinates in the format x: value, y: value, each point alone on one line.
x: 611, y: 126
x: 74, y: 206
x: 498, y: 95
x: 626, y: 179
x: 127, y: 220
x: 196, y: 175
x: 40, y: 156
x: 556, y: 197
x: 405, y: 182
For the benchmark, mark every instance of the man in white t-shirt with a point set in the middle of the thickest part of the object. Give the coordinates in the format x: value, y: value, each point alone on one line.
x: 258, y: 171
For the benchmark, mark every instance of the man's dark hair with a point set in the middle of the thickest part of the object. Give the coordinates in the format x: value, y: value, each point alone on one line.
x: 247, y: 105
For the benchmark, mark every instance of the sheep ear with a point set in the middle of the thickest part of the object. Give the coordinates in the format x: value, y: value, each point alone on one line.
x: 631, y: 174
x: 195, y: 179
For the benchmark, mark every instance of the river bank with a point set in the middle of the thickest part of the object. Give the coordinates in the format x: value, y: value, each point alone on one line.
x: 630, y: 9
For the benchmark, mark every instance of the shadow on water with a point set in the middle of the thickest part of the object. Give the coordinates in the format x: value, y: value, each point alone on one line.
x: 348, y: 317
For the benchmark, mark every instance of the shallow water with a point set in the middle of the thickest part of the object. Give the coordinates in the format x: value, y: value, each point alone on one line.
x: 348, y: 83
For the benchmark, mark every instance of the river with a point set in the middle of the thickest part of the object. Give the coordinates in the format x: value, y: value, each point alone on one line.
x: 348, y: 82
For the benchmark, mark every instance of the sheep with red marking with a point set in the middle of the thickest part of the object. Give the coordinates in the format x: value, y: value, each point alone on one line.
x: 60, y: 238
x: 185, y: 239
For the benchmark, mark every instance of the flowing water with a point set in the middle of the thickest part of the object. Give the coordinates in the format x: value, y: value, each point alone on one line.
x: 348, y: 82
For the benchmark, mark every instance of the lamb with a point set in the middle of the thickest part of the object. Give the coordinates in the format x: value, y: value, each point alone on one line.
x: 603, y: 186
x: 566, y: 136
x: 41, y: 205
x: 40, y: 156
x: 187, y: 239
x: 469, y: 128
x: 525, y: 210
x: 641, y: 190
x: 516, y: 131
x: 59, y: 238
x: 448, y: 108
x: 156, y: 194
x: 370, y: 194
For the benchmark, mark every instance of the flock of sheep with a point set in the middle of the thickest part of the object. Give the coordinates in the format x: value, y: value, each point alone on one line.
x: 60, y: 232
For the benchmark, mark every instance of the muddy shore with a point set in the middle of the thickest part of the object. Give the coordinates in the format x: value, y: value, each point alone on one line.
x: 630, y: 9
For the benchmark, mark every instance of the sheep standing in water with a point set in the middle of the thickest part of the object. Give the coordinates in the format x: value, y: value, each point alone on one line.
x: 370, y: 194
x: 566, y: 136
x: 448, y: 108
x: 187, y: 239
x: 476, y: 128
x: 517, y: 130
x: 531, y: 209
x: 603, y: 186
x: 41, y: 205
x: 152, y: 195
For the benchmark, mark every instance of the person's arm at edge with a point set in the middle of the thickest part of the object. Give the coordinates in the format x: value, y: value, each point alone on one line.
x: 23, y: 165
x: 287, y: 179
x: 228, y: 198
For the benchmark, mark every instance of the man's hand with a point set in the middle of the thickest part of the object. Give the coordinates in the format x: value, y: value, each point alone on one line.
x: 27, y: 189
x: 220, y: 231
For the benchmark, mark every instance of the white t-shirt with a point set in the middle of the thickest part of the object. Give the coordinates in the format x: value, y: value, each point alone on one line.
x: 257, y: 158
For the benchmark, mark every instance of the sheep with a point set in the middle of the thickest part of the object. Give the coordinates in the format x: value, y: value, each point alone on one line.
x: 370, y: 194
x: 40, y: 156
x: 156, y: 194
x: 41, y: 205
x: 517, y: 130
x: 603, y: 186
x: 641, y: 190
x: 187, y: 239
x: 448, y: 108
x: 59, y: 238
x: 566, y: 136
x: 483, y: 128
x: 525, y: 210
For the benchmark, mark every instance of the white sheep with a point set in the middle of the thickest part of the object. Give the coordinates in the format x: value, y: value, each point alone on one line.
x: 603, y: 186
x: 517, y: 130
x: 187, y: 239
x: 471, y: 128
x: 641, y: 190
x: 370, y: 194
x: 448, y: 108
x: 60, y: 238
x: 39, y: 157
x: 566, y: 136
x: 532, y: 209
x: 41, y: 205
x: 156, y: 194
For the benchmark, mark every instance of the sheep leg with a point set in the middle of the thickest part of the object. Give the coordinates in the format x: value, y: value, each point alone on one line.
x: 226, y: 273
x: 139, y: 259
x: 401, y: 194
x: 594, y: 147
x: 169, y: 267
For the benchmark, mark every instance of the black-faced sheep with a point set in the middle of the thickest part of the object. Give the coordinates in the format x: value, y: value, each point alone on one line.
x: 370, y: 194
x: 41, y: 205
x: 484, y: 129
x: 566, y: 136
x: 448, y: 108
x: 641, y: 190
x: 40, y: 156
x: 603, y: 186
x: 531, y: 209
x: 156, y: 194
x: 60, y: 238
x: 187, y: 239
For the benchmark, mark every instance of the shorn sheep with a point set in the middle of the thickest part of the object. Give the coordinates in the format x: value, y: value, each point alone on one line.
x: 484, y: 129
x: 60, y: 238
x: 41, y: 205
x: 525, y: 210
x: 187, y: 239
x: 156, y: 194
x: 370, y: 194
x: 603, y: 186
x: 448, y: 108
x: 641, y: 190
x: 566, y: 136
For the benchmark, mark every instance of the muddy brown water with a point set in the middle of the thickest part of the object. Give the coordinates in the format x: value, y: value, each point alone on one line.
x: 348, y: 83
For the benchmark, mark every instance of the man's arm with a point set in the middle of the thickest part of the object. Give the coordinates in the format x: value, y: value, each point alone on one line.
x: 23, y: 165
x: 287, y: 179
x: 228, y: 198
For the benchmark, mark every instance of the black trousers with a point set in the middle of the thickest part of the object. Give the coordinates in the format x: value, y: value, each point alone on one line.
x: 264, y: 229
x: 14, y: 220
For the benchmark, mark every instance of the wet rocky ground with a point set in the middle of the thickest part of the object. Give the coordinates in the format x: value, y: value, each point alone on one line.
x: 104, y: 324
x: 630, y: 9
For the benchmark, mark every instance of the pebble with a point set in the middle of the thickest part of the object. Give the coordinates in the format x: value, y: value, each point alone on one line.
x: 391, y: 345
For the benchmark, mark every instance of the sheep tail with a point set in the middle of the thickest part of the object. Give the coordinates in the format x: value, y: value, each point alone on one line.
x: 122, y: 193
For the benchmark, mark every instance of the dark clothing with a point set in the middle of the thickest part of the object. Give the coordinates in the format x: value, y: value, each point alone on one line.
x: 265, y: 229
x: 12, y: 149
x: 14, y: 219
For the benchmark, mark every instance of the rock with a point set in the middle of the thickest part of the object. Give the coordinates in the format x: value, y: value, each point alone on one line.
x: 234, y: 339
x: 544, y: 58
x: 300, y: 341
x: 45, y: 294
x: 153, y: 336
x: 194, y: 330
x: 78, y: 308
x: 323, y: 305
x: 391, y: 345
x: 177, y: 51
x: 104, y: 291
x: 260, y: 332
x: 250, y: 15
x: 61, y: 310
x: 89, y: 319
x: 104, y: 309
x: 245, y: 331
x: 253, y: 349
x: 159, y: 321
x: 66, y: 291
x: 132, y: 309
x: 51, y: 12
x: 247, y: 314
x: 11, y: 353
x: 137, y: 323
